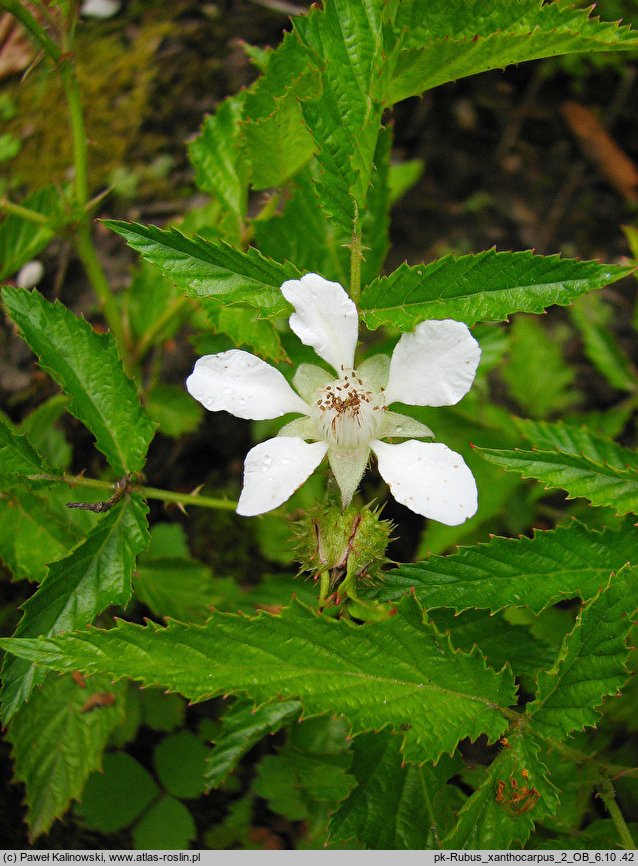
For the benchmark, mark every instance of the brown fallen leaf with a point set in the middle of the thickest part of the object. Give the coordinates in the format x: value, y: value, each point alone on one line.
x: 16, y: 48
x: 598, y: 145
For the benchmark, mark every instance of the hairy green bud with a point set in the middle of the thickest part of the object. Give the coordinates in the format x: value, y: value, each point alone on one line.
x: 341, y: 548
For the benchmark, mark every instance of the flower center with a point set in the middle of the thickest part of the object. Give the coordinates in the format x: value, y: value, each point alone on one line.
x: 347, y: 413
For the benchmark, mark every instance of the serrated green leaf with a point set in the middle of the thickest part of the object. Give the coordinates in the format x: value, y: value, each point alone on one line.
x: 395, y: 806
x: 299, y: 778
x: 536, y: 374
x: 87, y: 367
x: 575, y: 783
x: 279, y: 145
x: 394, y: 673
x: 277, y: 141
x: 445, y: 41
x: 318, y: 247
x: 17, y: 457
x: 535, y: 572
x: 481, y: 287
x: 33, y: 533
x: 77, y: 588
x: 40, y: 428
x: 580, y: 476
x: 336, y: 179
x: 501, y: 812
x: 498, y: 640
x: 210, y: 269
x: 220, y: 164
x: 353, y: 50
x: 570, y: 439
x: 375, y: 223
x: 243, y: 726
x: 147, y: 301
x: 592, y: 318
x: 601, y: 835
x: 591, y: 664
x: 246, y: 328
x: 22, y: 239
x: 73, y: 723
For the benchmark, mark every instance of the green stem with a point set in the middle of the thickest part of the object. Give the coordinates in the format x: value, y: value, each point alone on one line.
x: 78, y: 132
x: 572, y: 755
x: 186, y: 498
x: 33, y: 27
x: 84, y: 242
x: 146, y: 492
x: 355, y: 259
x: 24, y: 212
x: 608, y: 796
x: 158, y: 326
x: 95, y: 273
x: 324, y: 588
x: 65, y: 61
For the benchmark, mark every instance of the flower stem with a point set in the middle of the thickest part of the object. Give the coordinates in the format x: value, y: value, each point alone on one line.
x: 146, y: 492
x: 608, y: 796
x: 355, y: 258
x: 324, y: 588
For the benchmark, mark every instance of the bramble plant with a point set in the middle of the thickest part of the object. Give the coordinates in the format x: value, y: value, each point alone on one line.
x: 378, y: 673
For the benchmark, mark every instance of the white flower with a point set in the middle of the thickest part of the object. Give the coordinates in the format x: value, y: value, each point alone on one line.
x: 346, y: 416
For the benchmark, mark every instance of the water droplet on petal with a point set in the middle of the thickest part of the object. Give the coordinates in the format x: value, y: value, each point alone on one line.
x: 210, y: 401
x: 228, y: 391
x: 285, y: 461
x: 242, y: 401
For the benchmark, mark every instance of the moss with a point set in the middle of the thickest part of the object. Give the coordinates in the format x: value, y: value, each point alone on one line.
x: 115, y: 77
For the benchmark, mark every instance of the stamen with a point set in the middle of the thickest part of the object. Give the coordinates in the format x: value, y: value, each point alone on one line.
x: 348, y: 415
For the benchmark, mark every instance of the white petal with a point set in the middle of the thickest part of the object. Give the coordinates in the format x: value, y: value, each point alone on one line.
x: 324, y: 318
x: 429, y: 479
x: 434, y: 365
x: 243, y: 385
x: 274, y: 469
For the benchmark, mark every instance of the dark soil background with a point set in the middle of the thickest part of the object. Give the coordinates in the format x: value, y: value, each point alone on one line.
x: 502, y: 168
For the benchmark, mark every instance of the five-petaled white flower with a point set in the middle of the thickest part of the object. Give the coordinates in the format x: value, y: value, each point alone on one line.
x: 346, y: 417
